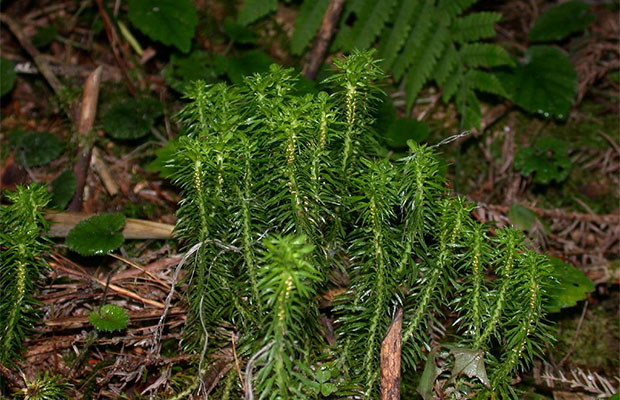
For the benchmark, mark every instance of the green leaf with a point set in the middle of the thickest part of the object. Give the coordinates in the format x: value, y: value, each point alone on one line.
x: 252, y: 10
x: 430, y: 373
x: 522, y: 218
x: 109, y: 318
x: 469, y: 362
x: 63, y: 189
x: 44, y: 36
x: 239, y: 33
x: 183, y: 70
x: 404, y: 129
x: 474, y: 26
x: 36, y: 148
x: 131, y: 118
x: 546, y: 83
x: 568, y: 285
x: 171, y: 22
x: 7, y: 76
x: 307, y: 24
x: 162, y: 157
x: 561, y: 20
x: 548, y: 160
x: 254, y: 61
x: 484, y: 55
x: 97, y: 235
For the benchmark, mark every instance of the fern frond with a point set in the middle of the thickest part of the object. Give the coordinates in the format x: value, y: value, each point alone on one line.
x: 452, y: 8
x: 474, y: 26
x: 388, y: 49
x: 484, y: 55
x: 22, y: 262
x: 252, y: 10
x: 421, y: 27
x: 468, y: 105
x: 485, y: 82
x: 307, y: 23
x: 446, y: 65
x: 424, y: 64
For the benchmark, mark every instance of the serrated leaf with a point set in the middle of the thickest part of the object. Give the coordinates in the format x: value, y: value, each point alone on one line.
x: 522, y: 218
x: 36, y: 148
x: 97, y: 235
x: 469, y: 362
x: 239, y: 33
x: 254, y: 61
x: 109, y: 318
x: 548, y: 160
x: 561, y: 20
x: 307, y: 23
x: 131, y: 118
x: 252, y: 10
x: 404, y: 129
x: 430, y: 373
x: 63, y: 189
x: 474, y: 26
x: 546, y: 83
x: 7, y: 76
x: 171, y: 22
x: 568, y: 286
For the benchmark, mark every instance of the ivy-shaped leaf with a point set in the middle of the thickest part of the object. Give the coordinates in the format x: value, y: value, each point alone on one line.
x: 469, y: 362
x: 548, y: 160
x: 97, y: 235
x: 546, y: 82
x: 171, y: 22
x: 131, y: 118
x: 109, y: 318
x: 7, y: 76
x: 561, y: 20
x: 568, y: 286
x: 63, y: 189
x: 35, y: 148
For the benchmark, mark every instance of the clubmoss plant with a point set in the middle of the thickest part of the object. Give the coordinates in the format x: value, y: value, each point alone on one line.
x: 22, y: 250
x: 285, y: 199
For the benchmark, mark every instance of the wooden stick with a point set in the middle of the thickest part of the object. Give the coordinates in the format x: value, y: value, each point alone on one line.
x: 328, y: 26
x: 17, y: 31
x: 90, y: 98
x: 62, y: 223
x: 390, y: 359
x: 101, y: 168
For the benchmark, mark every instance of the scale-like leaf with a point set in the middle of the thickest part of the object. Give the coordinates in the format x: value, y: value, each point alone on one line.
x: 109, y: 318
x: 561, y: 20
x: 546, y: 83
x: 97, y: 235
x: 171, y: 22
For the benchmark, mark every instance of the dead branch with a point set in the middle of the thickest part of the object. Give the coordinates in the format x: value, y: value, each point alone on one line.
x: 328, y: 26
x: 390, y: 359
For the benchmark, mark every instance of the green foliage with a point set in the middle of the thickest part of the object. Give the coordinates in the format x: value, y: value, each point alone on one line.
x: 63, y: 189
x: 7, y: 76
x: 239, y: 33
x: 560, y: 21
x: 184, y: 69
x: 109, y: 318
x: 252, y: 10
x: 307, y: 24
x: 131, y: 118
x: 301, y: 170
x: 548, y: 159
x: 35, y: 148
x: 171, y: 22
x: 44, y: 36
x: 22, y: 252
x: 404, y: 129
x: 545, y: 83
x: 569, y: 285
x: 522, y: 218
x: 47, y: 387
x: 97, y: 235
x: 251, y: 62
